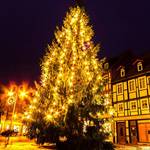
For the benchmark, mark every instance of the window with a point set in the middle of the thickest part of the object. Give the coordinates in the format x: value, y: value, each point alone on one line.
x: 144, y: 104
x: 132, y: 85
x: 149, y: 82
x: 139, y: 66
x: 120, y: 107
x: 142, y: 83
x: 133, y: 105
x: 106, y: 66
x: 122, y: 72
x: 119, y: 88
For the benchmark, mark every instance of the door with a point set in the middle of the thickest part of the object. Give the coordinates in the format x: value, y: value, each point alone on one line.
x: 121, y: 132
x: 133, y: 132
x: 144, y: 132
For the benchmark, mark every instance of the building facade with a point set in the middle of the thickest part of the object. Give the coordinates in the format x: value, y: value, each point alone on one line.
x: 130, y: 88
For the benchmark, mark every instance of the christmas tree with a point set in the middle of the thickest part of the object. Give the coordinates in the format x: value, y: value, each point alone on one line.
x: 70, y: 96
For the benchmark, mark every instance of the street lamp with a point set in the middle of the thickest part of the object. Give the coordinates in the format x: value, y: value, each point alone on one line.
x: 14, y: 100
x: 13, y: 95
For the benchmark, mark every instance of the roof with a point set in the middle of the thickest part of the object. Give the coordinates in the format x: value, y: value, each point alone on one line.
x: 128, y: 61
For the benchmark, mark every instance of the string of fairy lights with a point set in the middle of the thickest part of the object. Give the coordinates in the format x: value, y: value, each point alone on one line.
x: 70, y: 70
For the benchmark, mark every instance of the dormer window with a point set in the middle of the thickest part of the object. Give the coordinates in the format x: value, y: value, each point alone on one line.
x: 106, y: 66
x: 139, y: 66
x: 122, y: 72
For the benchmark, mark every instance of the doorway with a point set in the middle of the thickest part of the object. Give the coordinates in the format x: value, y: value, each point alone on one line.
x: 121, y: 132
x: 133, y: 132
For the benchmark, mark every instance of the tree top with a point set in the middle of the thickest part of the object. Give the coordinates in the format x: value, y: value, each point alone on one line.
x: 80, y: 3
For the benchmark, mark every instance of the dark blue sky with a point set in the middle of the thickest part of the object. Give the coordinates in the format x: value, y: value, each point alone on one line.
x: 26, y: 26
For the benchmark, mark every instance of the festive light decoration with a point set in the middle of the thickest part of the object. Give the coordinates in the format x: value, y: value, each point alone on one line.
x: 71, y: 75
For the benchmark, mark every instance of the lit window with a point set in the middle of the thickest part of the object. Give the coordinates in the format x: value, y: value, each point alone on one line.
x: 139, y: 66
x: 144, y: 104
x: 132, y: 85
x: 142, y: 83
x: 120, y: 107
x: 119, y: 88
x: 133, y: 105
x: 149, y: 82
x: 16, y: 128
x: 122, y: 72
x: 106, y: 66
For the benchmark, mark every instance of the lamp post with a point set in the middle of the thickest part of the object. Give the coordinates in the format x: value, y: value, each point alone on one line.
x: 13, y: 96
x: 12, y: 99
x: 13, y: 93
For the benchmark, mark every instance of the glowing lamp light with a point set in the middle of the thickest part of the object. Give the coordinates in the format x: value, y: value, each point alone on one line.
x: 11, y: 100
x: 22, y: 94
x: 10, y: 93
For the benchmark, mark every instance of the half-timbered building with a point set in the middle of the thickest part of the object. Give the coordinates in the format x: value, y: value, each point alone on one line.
x: 130, y: 86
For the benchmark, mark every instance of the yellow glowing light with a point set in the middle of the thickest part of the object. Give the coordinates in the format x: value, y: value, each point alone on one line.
x: 70, y: 101
x: 98, y: 114
x: 49, y: 117
x: 111, y: 112
x: 54, y: 103
x: 56, y: 113
x: 28, y: 116
x: 63, y: 107
x: 15, y: 116
x: 22, y: 94
x: 31, y: 107
x: 51, y: 110
x: 70, y: 84
x: 26, y: 113
x: 99, y: 77
x: 10, y: 93
x: 34, y: 100
x: 107, y: 95
x: 72, y: 66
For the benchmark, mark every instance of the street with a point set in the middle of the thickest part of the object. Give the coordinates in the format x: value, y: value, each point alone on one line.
x: 127, y: 147
x: 22, y: 143
x: 33, y: 146
x: 23, y: 146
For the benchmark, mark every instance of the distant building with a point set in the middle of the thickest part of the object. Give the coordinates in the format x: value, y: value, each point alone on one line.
x: 130, y: 86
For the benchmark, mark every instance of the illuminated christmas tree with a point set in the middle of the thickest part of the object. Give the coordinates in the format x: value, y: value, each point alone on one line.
x: 70, y: 95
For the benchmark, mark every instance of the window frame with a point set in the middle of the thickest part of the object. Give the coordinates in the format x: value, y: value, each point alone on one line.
x: 146, y: 102
x: 122, y: 72
x: 130, y: 83
x: 132, y: 105
x: 120, y: 111
x: 106, y: 66
x: 121, y: 86
x: 148, y: 82
x: 139, y: 65
x: 140, y: 84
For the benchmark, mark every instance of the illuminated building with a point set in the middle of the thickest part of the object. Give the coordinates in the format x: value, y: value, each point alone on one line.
x: 131, y: 98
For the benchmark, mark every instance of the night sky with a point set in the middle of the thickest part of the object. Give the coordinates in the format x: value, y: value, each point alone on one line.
x: 26, y: 26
